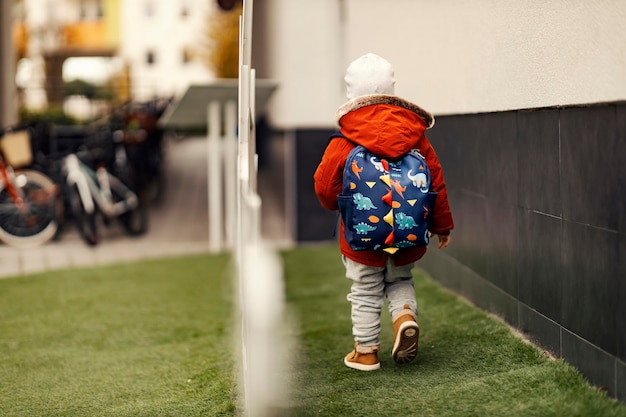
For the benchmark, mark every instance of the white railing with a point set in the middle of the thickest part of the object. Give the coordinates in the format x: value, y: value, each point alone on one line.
x: 263, y: 345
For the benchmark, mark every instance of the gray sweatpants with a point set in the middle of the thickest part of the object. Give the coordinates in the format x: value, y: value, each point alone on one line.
x: 370, y: 286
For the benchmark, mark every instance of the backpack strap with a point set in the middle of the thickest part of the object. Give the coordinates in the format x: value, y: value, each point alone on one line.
x: 334, y: 136
x: 340, y: 135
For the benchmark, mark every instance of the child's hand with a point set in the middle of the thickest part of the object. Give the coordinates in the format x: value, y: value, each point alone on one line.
x: 444, y: 240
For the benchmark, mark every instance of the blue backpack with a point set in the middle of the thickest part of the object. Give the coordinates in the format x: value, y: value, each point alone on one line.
x: 385, y: 204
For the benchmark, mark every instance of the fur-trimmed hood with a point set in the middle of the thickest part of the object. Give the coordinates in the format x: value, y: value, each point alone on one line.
x: 373, y: 99
x: 386, y: 125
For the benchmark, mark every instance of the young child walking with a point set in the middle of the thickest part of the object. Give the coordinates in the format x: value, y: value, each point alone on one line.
x: 389, y: 126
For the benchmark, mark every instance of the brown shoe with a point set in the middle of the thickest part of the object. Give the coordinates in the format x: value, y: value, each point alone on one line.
x: 363, y: 358
x: 406, y: 334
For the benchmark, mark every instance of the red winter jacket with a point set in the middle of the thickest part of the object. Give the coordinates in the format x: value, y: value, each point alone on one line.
x: 390, y: 127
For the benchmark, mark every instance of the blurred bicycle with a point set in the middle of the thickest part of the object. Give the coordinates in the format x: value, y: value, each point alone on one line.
x: 99, y: 185
x: 29, y: 199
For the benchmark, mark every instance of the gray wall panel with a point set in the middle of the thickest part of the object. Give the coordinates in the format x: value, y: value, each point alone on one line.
x: 539, y: 201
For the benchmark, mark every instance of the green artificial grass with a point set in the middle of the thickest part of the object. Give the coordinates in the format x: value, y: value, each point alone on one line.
x: 469, y: 364
x: 157, y: 339
x: 141, y: 339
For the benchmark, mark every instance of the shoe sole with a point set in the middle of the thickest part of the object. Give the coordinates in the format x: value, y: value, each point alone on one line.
x: 360, y: 366
x: 405, y: 345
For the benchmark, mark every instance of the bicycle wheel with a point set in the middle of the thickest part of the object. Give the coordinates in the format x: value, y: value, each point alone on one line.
x: 37, y: 222
x: 135, y: 221
x: 135, y: 218
x: 85, y: 222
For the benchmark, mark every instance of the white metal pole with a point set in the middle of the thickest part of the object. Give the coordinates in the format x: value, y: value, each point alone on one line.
x: 230, y: 172
x: 263, y: 299
x: 245, y: 50
x: 247, y: 33
x: 214, y: 177
x: 252, y: 159
x: 243, y: 174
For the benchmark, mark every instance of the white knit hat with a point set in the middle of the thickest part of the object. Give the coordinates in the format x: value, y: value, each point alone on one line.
x: 369, y: 74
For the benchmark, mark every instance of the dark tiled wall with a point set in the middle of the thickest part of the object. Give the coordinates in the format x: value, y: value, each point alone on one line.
x: 313, y: 223
x: 539, y: 200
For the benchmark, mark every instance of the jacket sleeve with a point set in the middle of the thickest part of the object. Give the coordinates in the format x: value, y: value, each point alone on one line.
x: 441, y: 221
x: 329, y: 174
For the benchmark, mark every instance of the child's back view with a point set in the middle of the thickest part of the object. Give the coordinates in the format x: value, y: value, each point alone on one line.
x: 389, y: 127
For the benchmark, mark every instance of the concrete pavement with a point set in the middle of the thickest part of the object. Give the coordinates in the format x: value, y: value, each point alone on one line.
x: 178, y: 225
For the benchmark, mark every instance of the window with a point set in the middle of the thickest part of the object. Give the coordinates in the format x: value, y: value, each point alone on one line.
x: 83, y: 11
x: 150, y: 8
x: 150, y: 57
x: 89, y: 10
x: 187, y: 55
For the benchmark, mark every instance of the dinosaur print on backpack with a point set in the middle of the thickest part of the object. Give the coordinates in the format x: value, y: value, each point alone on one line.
x: 385, y: 204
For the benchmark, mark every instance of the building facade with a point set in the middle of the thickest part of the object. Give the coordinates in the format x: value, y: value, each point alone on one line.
x: 162, y: 40
x: 145, y: 49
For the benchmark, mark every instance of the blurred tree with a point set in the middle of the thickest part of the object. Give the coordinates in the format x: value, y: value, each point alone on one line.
x: 220, y: 52
x: 91, y: 91
x: 52, y: 114
x: 80, y: 87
